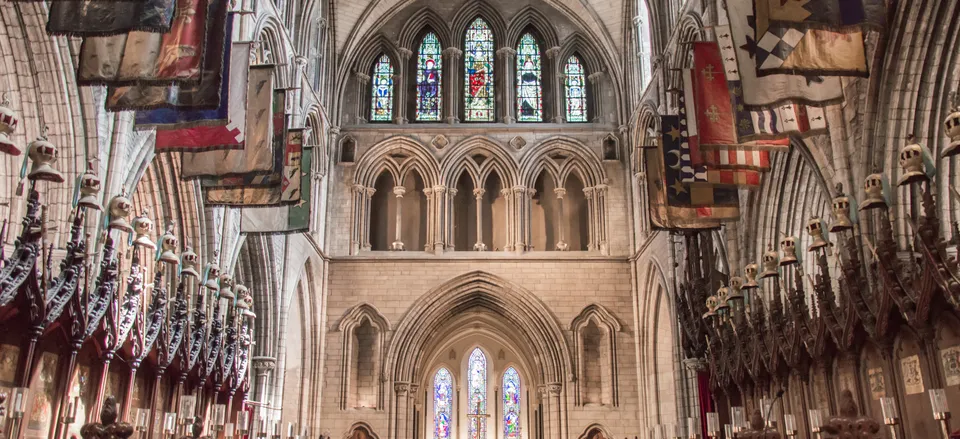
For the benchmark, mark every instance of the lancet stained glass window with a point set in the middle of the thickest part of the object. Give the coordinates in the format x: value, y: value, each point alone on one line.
x: 429, y: 66
x: 576, y: 90
x: 442, y: 404
x: 381, y: 104
x: 478, y: 73
x: 529, y: 91
x: 643, y: 43
x: 477, y: 398
x: 511, y: 404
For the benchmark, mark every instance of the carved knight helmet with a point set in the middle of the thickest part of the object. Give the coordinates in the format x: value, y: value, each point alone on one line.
x: 213, y: 273
x: 771, y: 261
x: 168, y: 247
x: 873, y: 187
x: 750, y: 272
x: 44, y: 154
x: 815, y: 229
x: 841, y: 212
x: 142, y: 226
x: 8, y: 124
x: 89, y: 188
x: 788, y: 245
x: 911, y: 161
x: 189, y: 261
x: 226, y: 287
x: 120, y: 207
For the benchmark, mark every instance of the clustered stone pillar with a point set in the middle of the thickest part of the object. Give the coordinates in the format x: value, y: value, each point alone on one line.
x: 400, y: 109
x: 440, y: 218
x: 263, y: 366
x: 398, y: 242
x: 507, y: 56
x: 402, y: 391
x: 553, y: 54
x: 363, y: 85
x: 451, y: 61
x: 360, y: 235
x: 596, y: 198
x: 478, y: 194
x: 522, y: 197
x: 596, y: 84
x: 507, y: 195
x: 428, y: 192
x: 561, y: 219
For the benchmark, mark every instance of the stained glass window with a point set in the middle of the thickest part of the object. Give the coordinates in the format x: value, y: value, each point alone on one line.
x: 429, y: 66
x: 529, y: 91
x: 442, y: 404
x: 643, y: 43
x: 576, y: 90
x: 511, y: 404
x: 381, y: 104
x: 478, y: 72
x: 477, y: 398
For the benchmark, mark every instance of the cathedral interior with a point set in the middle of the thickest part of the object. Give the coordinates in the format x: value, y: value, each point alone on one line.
x: 479, y: 219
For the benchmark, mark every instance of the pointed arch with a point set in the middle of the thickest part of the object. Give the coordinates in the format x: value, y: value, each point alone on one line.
x: 566, y: 151
x: 531, y: 18
x: 428, y: 78
x: 381, y: 90
x: 477, y: 379
x: 363, y: 332
x: 575, y: 94
x: 512, y: 389
x: 463, y: 154
x: 423, y: 21
x: 515, y: 304
x: 398, y: 154
x: 443, y: 385
x: 468, y: 13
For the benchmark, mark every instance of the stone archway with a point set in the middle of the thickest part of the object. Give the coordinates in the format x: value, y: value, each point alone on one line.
x: 360, y: 430
x: 534, y: 327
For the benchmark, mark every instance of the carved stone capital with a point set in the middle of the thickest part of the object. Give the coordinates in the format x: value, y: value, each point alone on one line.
x: 452, y: 52
x: 370, y: 191
x: 506, y: 52
x: 263, y: 364
x: 560, y: 192
x: 399, y: 191
x: 553, y: 52
x: 695, y: 364
x: 405, y: 52
x: 401, y: 388
x: 478, y: 192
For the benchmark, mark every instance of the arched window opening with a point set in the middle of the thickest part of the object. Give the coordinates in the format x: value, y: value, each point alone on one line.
x: 644, y: 51
x: 593, y: 371
x: 429, y: 67
x: 478, y: 59
x: 465, y: 229
x: 511, y: 404
x: 442, y: 404
x: 576, y: 221
x: 413, y: 217
x: 382, y: 213
x: 576, y: 90
x: 529, y: 88
x: 477, y: 396
x: 494, y: 213
x: 545, y: 214
x: 364, y: 380
x: 381, y: 99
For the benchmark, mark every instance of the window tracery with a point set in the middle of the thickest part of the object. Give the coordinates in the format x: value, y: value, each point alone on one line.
x: 477, y: 398
x: 511, y: 403
x: 442, y: 404
x: 576, y: 90
x: 478, y: 66
x: 429, y: 68
x: 529, y: 87
x: 381, y: 109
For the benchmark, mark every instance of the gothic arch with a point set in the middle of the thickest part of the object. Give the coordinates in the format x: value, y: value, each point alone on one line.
x: 530, y: 18
x: 270, y: 33
x: 461, y: 157
x: 361, y: 428
x: 356, y: 318
x: 478, y: 289
x: 398, y: 155
x: 592, y: 431
x: 471, y: 11
x: 595, y: 315
x: 578, y: 157
x: 426, y: 19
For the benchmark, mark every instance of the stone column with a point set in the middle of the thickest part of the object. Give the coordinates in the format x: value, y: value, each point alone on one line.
x: 601, y: 215
x: 556, y: 417
x: 553, y: 54
x: 400, y: 87
x: 451, y: 62
x: 596, y: 87
x: 451, y: 215
x: 507, y: 60
x: 402, y: 391
x: 356, y: 234
x: 262, y: 366
x: 549, y: 428
x: 591, y: 213
x: 411, y: 405
x: 428, y: 192
x: 440, y: 197
x: 507, y: 196
x: 363, y: 87
x: 366, y: 215
x: 519, y: 219
x: 398, y: 243
x: 478, y: 194
x: 561, y: 219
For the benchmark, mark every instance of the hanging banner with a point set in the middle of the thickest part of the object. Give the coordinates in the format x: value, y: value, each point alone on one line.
x: 287, y: 219
x: 92, y: 18
x: 257, y: 153
x: 285, y: 193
